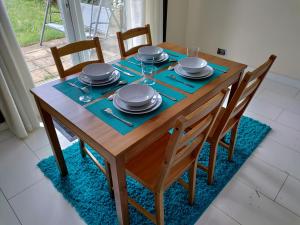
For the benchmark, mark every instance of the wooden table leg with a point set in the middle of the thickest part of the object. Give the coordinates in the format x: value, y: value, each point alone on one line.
x: 120, y: 190
x: 235, y: 85
x: 50, y: 130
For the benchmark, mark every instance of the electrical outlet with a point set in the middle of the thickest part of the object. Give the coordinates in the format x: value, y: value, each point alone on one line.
x: 221, y: 51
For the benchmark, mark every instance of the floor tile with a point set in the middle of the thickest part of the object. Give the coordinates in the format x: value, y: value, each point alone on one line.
x: 249, y: 208
x: 280, y: 133
x: 264, y: 108
x: 279, y: 88
x: 289, y: 196
x: 262, y: 177
x: 6, y: 134
x: 298, y: 96
x: 7, y: 216
x: 42, y: 204
x: 37, y: 139
x: 279, y: 156
x: 288, y: 103
x: 290, y: 119
x: 44, y: 152
x: 214, y: 216
x: 18, y: 168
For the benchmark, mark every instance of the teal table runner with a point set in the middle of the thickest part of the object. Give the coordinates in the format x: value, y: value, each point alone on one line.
x: 98, y: 110
x: 172, y: 55
x: 163, y: 76
x: 75, y: 93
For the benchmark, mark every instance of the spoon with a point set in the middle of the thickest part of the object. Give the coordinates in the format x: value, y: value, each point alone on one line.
x: 121, y: 82
x: 171, y: 68
x: 111, y: 97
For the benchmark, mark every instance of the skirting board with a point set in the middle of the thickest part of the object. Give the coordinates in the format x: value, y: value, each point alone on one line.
x: 281, y: 78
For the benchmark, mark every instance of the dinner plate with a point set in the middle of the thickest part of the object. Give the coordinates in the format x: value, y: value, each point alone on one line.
x: 115, y: 76
x: 136, y: 94
x: 164, y: 57
x: 158, y: 103
x: 126, y: 107
x: 205, y: 73
x: 98, y: 71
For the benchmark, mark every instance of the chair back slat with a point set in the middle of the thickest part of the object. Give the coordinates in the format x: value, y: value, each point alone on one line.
x: 135, y: 32
x: 72, y: 48
x: 243, y: 95
x: 190, y: 132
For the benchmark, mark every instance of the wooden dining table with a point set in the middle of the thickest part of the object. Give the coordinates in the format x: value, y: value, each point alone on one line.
x: 114, y: 147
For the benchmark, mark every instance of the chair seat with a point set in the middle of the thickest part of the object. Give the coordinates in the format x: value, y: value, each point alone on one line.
x: 147, y: 165
x: 229, y: 125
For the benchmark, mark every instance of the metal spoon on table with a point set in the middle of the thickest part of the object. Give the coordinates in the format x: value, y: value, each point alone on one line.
x: 121, y: 82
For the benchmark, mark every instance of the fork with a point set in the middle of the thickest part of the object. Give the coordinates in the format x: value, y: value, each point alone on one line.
x: 110, y: 112
x: 83, y: 89
x: 179, y: 81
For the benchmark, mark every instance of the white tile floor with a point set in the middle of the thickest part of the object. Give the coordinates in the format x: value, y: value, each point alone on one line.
x: 266, y: 190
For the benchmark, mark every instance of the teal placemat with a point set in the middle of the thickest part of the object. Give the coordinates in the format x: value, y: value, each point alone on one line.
x: 98, y: 110
x: 172, y: 55
x: 75, y: 93
x: 163, y: 76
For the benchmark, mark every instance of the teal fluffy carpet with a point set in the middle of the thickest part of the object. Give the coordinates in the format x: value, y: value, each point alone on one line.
x: 86, y: 188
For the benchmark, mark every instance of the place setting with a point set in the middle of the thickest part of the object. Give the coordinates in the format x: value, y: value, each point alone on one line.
x: 191, y: 73
x: 95, y: 80
x: 154, y: 55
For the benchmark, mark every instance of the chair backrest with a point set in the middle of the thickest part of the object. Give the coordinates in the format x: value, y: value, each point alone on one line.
x: 76, y: 47
x: 242, y: 96
x: 135, y: 32
x: 190, y: 133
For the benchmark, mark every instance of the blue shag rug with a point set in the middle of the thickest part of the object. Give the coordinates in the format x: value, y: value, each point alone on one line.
x: 86, y: 188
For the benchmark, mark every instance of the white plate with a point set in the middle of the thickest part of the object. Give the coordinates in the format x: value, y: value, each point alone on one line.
x: 150, y: 51
x: 164, y: 57
x: 116, y: 76
x: 117, y: 101
x: 192, y: 64
x: 136, y: 94
x: 158, y: 103
x: 205, y: 73
x: 98, y: 71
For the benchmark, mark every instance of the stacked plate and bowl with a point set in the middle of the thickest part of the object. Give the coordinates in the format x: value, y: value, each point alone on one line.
x: 193, y: 68
x: 151, y: 54
x: 99, y: 74
x: 137, y: 99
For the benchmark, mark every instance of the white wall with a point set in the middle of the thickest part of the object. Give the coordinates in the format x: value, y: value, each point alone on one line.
x: 249, y: 29
x: 176, y: 21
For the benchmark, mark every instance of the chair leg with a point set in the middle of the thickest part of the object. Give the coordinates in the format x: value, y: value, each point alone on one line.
x: 212, y: 162
x: 192, y: 183
x: 159, y: 208
x: 109, y: 178
x: 81, y: 143
x: 232, y: 141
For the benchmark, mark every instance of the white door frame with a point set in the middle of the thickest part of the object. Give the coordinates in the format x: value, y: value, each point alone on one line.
x: 73, y: 24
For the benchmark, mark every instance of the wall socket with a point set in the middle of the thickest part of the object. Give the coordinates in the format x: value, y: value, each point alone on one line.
x: 221, y: 51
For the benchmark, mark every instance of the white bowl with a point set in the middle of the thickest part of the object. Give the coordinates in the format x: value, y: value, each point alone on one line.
x: 136, y: 94
x: 192, y: 64
x: 98, y: 71
x: 149, y: 52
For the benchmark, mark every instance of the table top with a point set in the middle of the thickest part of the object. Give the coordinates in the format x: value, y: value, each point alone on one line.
x: 106, y: 140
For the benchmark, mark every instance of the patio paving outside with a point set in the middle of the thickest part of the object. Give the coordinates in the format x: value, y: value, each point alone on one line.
x: 41, y: 64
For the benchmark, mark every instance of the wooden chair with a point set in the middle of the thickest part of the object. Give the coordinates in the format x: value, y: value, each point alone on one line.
x: 135, y: 32
x: 164, y: 161
x: 229, y: 117
x: 76, y: 47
